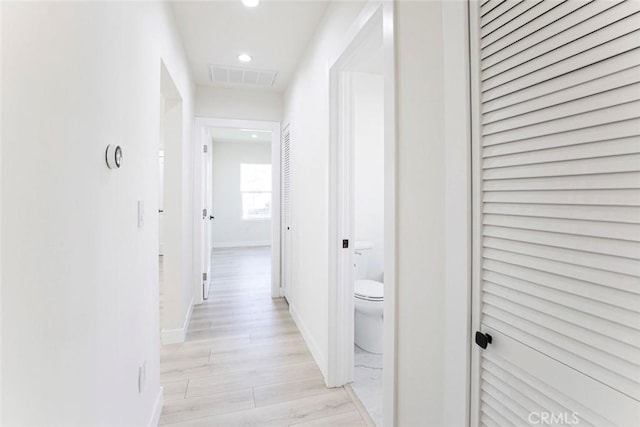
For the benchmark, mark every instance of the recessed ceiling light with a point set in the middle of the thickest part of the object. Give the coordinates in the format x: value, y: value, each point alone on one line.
x: 254, y: 136
x: 251, y: 3
x: 244, y: 58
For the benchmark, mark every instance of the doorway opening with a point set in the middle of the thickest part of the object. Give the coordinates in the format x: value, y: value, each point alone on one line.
x: 362, y: 207
x: 238, y: 179
x: 368, y: 232
x: 172, y: 304
x: 240, y: 186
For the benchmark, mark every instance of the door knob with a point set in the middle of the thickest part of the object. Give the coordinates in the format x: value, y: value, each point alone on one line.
x: 211, y: 217
x: 483, y: 340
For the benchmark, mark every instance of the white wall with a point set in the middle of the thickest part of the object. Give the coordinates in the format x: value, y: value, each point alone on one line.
x: 80, y: 280
x: 433, y: 187
x: 368, y: 106
x: 306, y: 110
x: 422, y: 198
x: 228, y: 228
x: 238, y: 103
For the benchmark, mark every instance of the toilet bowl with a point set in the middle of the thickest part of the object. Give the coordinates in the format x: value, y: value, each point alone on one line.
x: 369, y: 301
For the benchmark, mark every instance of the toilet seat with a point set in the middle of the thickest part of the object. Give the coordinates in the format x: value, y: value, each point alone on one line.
x: 369, y: 290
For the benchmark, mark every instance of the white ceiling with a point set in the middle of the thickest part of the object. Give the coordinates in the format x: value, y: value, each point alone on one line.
x: 239, y: 135
x: 275, y: 34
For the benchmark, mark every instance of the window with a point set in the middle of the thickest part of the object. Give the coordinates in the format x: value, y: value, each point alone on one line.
x: 255, y: 185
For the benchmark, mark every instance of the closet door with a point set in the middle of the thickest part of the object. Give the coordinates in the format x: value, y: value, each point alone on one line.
x: 556, y: 142
x: 286, y: 212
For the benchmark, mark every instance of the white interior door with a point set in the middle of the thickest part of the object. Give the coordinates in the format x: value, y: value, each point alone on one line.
x: 556, y: 100
x: 207, y: 216
x: 286, y: 212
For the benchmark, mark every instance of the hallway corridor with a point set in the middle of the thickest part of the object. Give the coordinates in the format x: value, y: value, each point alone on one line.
x: 244, y: 363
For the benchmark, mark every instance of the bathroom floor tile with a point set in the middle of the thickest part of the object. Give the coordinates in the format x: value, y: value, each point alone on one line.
x: 367, y: 383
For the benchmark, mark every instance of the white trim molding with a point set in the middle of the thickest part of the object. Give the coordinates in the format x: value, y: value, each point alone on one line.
x: 313, y: 346
x: 154, y: 421
x: 390, y: 369
x: 201, y: 124
x: 248, y: 244
x: 476, y: 203
x: 175, y: 336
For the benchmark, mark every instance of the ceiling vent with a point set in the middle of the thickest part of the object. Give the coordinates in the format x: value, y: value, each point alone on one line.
x: 242, y: 76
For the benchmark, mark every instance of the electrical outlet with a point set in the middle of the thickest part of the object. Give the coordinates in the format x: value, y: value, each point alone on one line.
x: 140, y: 213
x: 142, y: 376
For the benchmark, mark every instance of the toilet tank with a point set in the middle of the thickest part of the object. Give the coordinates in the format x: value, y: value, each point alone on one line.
x: 362, y: 250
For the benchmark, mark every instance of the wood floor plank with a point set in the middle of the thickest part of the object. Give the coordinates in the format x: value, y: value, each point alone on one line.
x: 185, y: 366
x: 284, y: 392
x: 331, y: 402
x: 168, y: 355
x: 348, y: 419
x: 273, y: 339
x: 256, y: 321
x: 251, y: 377
x: 234, y: 342
x: 173, y: 390
x: 273, y: 342
x: 264, y: 350
x: 258, y: 361
x: 188, y: 409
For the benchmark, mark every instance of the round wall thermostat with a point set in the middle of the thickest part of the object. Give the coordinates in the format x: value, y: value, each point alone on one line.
x: 113, y: 156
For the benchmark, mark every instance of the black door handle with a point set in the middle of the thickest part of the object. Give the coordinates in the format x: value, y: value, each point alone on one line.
x: 483, y: 340
x: 211, y: 217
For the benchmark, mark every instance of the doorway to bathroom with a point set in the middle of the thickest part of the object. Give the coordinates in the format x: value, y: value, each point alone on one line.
x: 362, y: 207
x: 368, y: 234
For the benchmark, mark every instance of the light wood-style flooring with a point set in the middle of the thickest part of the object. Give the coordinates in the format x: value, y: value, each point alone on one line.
x: 244, y: 363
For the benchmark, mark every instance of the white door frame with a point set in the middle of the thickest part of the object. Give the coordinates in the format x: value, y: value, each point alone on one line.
x: 458, y: 211
x: 373, y: 28
x: 201, y: 124
x: 476, y: 217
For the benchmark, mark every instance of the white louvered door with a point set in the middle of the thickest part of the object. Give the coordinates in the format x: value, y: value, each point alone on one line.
x: 286, y: 212
x: 556, y: 142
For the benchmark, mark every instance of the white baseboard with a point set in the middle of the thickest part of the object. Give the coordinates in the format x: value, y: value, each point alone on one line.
x: 221, y: 245
x: 157, y: 409
x: 318, y: 355
x: 175, y: 336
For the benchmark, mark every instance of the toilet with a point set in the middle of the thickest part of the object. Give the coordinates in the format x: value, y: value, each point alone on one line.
x: 369, y: 301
